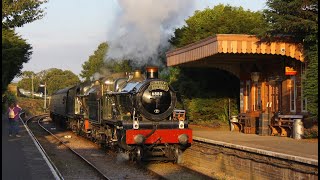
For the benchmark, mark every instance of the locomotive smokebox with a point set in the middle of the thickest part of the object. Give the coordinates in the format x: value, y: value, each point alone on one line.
x: 152, y: 72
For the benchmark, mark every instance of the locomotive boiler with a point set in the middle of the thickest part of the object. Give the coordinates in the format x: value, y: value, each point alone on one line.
x: 134, y: 113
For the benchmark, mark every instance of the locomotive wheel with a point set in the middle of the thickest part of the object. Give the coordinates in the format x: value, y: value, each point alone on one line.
x: 131, y: 156
x: 177, y: 155
x: 139, y: 154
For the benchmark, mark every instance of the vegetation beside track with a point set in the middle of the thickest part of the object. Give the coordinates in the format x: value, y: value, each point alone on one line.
x: 29, y: 105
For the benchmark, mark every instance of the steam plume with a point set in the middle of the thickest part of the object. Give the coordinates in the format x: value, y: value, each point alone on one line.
x: 143, y: 28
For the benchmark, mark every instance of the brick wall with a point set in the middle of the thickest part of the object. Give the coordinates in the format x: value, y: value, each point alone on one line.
x: 225, y: 163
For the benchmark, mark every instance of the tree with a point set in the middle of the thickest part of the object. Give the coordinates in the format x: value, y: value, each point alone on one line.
x: 297, y: 21
x: 26, y: 81
x: 311, y: 83
x: 115, y: 66
x: 191, y: 82
x: 27, y: 74
x: 16, y: 13
x: 95, y: 62
x: 56, y: 79
x: 98, y: 64
x: 15, y: 52
x: 221, y: 19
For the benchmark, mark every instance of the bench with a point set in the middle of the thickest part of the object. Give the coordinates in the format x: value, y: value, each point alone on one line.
x: 283, y: 125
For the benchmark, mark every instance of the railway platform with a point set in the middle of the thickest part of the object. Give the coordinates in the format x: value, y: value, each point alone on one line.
x: 282, y: 147
x: 21, y: 159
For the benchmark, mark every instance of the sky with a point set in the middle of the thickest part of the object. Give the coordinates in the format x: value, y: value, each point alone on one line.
x: 71, y: 30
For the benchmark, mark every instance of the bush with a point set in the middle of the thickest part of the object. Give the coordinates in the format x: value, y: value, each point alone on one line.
x: 311, y: 132
x: 8, y: 98
x: 201, y: 110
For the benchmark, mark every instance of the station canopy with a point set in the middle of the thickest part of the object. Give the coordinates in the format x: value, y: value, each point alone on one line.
x: 231, y: 44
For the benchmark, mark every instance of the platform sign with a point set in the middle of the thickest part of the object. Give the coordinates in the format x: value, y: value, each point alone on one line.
x: 289, y: 71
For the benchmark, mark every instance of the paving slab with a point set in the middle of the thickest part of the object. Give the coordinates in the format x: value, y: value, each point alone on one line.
x: 303, y: 148
x: 20, y: 157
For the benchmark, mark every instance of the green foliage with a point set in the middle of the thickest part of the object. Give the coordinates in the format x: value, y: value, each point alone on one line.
x: 297, y: 21
x: 170, y: 74
x: 205, y: 82
x: 16, y: 13
x: 27, y: 74
x: 118, y: 66
x: 54, y: 78
x: 210, y: 109
x: 98, y: 64
x: 9, y: 98
x: 15, y: 52
x: 310, y: 83
x: 95, y: 62
x: 26, y: 83
x: 205, y: 99
x: 221, y: 19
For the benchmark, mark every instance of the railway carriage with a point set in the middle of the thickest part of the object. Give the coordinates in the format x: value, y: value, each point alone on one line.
x: 133, y: 113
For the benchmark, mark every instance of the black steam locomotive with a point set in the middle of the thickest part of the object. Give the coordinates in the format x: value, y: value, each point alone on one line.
x: 131, y: 113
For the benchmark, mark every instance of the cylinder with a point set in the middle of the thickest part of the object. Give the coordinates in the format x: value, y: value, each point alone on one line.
x: 152, y: 72
x: 298, y: 129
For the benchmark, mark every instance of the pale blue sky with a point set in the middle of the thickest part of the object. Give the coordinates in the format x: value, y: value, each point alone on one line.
x: 71, y: 30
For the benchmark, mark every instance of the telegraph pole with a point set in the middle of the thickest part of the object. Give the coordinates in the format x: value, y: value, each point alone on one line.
x: 32, y: 86
x: 45, y: 96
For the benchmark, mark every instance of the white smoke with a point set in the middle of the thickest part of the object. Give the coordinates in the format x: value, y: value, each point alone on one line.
x: 144, y: 26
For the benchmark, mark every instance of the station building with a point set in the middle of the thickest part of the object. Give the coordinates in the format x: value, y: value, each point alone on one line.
x: 270, y: 74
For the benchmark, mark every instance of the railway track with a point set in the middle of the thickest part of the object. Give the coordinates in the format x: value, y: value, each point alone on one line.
x: 100, y: 174
x: 97, y: 160
x: 70, y: 163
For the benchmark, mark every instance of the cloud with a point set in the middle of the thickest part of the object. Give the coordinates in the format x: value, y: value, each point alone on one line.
x: 143, y: 27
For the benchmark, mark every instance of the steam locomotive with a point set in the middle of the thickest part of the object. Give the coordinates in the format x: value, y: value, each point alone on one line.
x: 134, y: 113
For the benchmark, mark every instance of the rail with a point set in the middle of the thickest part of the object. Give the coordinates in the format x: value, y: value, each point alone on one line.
x: 56, y: 173
x: 73, y: 151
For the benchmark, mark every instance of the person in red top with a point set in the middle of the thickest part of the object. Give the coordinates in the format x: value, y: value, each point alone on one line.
x: 13, y: 116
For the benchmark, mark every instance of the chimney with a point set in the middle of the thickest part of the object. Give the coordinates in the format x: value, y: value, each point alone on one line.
x: 152, y: 72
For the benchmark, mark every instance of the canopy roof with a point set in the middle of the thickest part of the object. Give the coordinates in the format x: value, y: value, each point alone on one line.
x: 232, y: 44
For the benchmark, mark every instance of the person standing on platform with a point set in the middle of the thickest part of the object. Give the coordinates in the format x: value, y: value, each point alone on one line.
x: 13, y: 116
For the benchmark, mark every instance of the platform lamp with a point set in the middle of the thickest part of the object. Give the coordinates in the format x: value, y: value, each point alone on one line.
x: 255, y: 74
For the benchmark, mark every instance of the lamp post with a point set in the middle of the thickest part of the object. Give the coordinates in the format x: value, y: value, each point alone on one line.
x: 32, y: 86
x: 45, y: 95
